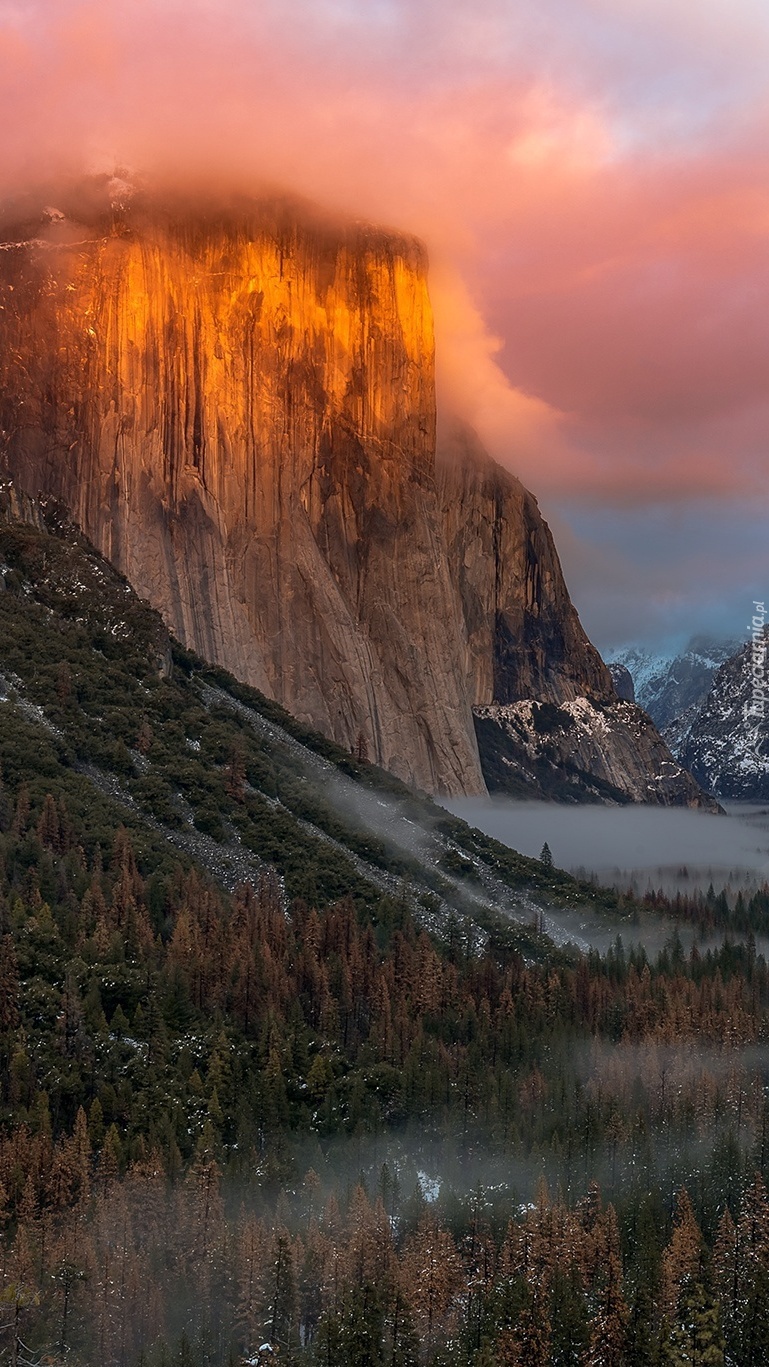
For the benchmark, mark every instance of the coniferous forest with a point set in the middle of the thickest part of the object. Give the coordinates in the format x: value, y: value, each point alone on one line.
x: 274, y: 1088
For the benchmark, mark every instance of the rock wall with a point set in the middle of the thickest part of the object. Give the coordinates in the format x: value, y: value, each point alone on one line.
x: 239, y: 409
x: 582, y: 751
x: 236, y: 402
x: 525, y: 639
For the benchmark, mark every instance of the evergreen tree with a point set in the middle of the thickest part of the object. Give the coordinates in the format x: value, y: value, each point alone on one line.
x: 609, y: 1320
x: 360, y: 1330
x: 569, y: 1325
x: 185, y: 1356
x: 682, y: 1259
x: 281, y: 1290
x: 533, y: 1334
x: 753, y: 1340
x: 404, y: 1340
x: 695, y: 1340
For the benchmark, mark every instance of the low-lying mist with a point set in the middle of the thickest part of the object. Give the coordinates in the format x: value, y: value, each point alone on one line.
x: 643, y: 848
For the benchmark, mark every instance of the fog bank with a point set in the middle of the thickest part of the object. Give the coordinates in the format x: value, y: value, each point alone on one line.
x: 638, y: 847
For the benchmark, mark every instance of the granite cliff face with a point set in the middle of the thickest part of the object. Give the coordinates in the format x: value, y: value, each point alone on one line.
x: 549, y: 719
x: 524, y: 637
x: 237, y: 405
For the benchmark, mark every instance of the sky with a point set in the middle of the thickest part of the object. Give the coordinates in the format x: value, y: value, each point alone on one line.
x: 590, y: 177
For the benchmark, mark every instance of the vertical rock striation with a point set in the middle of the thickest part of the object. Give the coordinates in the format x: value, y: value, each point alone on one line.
x: 239, y: 409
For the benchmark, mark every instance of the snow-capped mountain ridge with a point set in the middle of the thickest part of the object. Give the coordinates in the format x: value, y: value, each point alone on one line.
x: 666, y: 685
x: 726, y: 746
x: 700, y: 701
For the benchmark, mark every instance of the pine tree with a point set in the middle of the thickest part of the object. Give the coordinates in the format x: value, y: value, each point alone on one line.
x: 749, y: 1314
x: 570, y: 1330
x: 63, y: 682
x: 546, y: 856
x: 432, y: 1274
x: 533, y: 1334
x: 235, y: 781
x: 110, y: 1159
x: 610, y: 1315
x: 360, y: 1330
x: 682, y: 1259
x: 48, y: 828
x: 144, y: 738
x: 9, y: 985
x: 185, y: 1356
x: 404, y: 1340
x: 281, y: 1292
x: 6, y: 807
x: 21, y: 814
x: 695, y: 1340
x: 327, y: 1343
x: 753, y: 1340
x: 81, y: 1154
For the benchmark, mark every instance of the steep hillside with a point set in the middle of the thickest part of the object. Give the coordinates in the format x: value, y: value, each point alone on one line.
x: 95, y: 694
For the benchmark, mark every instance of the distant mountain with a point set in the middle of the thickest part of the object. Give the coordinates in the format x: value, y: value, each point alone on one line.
x: 700, y: 703
x: 726, y: 744
x: 672, y: 688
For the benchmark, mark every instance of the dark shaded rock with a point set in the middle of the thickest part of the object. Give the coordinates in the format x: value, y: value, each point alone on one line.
x: 623, y: 682
x: 524, y: 637
x: 582, y: 751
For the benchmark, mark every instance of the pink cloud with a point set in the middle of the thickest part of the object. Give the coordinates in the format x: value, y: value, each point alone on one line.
x: 602, y: 213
